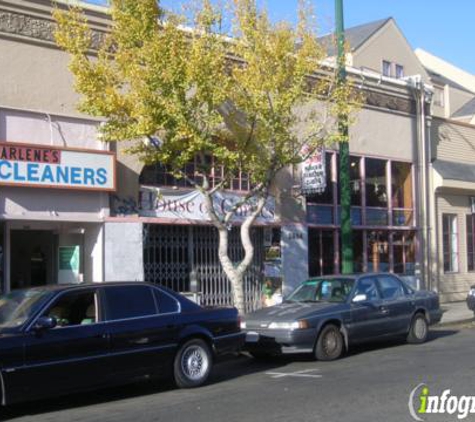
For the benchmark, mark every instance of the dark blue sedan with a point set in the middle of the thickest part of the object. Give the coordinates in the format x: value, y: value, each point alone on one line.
x: 61, y: 339
x: 325, y: 315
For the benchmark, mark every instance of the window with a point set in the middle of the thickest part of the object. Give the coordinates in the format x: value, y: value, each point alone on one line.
x: 470, y: 242
x: 391, y: 287
x: 161, y: 175
x: 75, y: 308
x: 399, y: 71
x: 321, y: 252
x: 378, y: 251
x: 367, y: 286
x: 404, y: 254
x: 355, y: 181
x: 129, y: 302
x: 386, y: 68
x: 376, y: 189
x: 166, y: 304
x: 401, y: 187
x: 439, y: 97
x: 450, y: 242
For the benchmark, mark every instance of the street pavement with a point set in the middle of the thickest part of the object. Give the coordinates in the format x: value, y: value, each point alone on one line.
x: 371, y: 383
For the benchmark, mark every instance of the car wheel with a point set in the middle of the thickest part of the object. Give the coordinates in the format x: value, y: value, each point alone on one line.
x: 329, y: 344
x: 192, y: 364
x: 419, y: 329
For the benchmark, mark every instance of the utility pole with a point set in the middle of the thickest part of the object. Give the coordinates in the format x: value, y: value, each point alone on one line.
x: 344, y: 157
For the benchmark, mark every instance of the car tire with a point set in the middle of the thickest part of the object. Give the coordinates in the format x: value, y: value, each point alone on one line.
x: 192, y: 364
x: 329, y: 343
x: 419, y: 329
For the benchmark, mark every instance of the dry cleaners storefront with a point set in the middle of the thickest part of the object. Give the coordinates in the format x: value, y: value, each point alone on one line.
x: 54, y: 199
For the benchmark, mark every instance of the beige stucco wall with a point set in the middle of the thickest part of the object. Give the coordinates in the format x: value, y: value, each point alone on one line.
x: 385, y: 134
x: 388, y: 44
x: 36, y: 77
x: 454, y: 286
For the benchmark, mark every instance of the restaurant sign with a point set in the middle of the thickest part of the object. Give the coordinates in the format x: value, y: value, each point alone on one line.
x: 190, y: 205
x: 53, y: 167
x: 313, y: 173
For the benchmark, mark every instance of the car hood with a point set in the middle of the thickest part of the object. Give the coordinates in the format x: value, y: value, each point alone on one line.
x: 290, y: 311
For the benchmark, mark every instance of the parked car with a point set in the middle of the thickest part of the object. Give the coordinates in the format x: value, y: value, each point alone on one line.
x: 325, y: 315
x: 62, y: 339
x: 471, y: 299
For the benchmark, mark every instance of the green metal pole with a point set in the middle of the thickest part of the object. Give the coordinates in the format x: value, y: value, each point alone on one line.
x: 344, y: 156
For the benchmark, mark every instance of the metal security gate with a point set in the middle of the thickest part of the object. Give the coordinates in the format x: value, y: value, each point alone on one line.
x: 175, y: 255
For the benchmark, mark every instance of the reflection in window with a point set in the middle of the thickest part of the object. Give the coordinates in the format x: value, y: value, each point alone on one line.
x: 376, y: 192
x: 404, y: 252
x: 378, y: 251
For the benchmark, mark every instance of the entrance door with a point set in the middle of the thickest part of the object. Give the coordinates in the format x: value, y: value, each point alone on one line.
x: 32, y: 262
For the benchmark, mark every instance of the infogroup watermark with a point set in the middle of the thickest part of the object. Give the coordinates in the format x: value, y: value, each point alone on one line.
x: 422, y: 403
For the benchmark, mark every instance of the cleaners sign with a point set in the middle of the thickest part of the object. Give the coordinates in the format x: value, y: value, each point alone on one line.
x: 52, y: 167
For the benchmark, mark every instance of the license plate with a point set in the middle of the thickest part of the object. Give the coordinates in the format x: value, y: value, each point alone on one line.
x: 252, y: 337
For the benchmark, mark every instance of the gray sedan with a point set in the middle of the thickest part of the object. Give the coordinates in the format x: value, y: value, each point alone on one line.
x: 325, y: 315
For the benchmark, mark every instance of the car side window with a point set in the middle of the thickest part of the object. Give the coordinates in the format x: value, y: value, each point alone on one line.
x: 123, y: 302
x: 367, y: 286
x: 165, y: 302
x: 74, y: 308
x: 391, y: 287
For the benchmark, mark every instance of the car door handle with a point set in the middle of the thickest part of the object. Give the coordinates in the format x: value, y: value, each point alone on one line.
x: 384, y: 310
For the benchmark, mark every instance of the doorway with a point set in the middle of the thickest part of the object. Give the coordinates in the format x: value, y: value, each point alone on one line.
x: 32, y: 258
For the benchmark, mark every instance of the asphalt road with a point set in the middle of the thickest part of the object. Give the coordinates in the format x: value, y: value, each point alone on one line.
x: 371, y: 383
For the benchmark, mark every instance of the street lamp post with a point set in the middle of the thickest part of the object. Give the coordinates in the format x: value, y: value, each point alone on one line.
x: 344, y: 156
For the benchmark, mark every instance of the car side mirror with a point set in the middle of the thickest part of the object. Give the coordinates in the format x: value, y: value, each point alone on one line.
x: 360, y: 298
x: 45, y: 323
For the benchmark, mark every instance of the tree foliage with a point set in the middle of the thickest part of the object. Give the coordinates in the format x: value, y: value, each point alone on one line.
x: 254, y: 94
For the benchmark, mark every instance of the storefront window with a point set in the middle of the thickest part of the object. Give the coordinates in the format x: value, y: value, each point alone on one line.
x: 378, y: 251
x: 404, y: 253
x: 358, y: 251
x: 376, y: 192
x: 355, y: 181
x: 401, y: 186
x: 321, y: 252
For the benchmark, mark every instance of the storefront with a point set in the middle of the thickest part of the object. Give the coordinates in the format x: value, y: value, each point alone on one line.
x: 180, y: 245
x: 53, y: 201
x: 382, y: 213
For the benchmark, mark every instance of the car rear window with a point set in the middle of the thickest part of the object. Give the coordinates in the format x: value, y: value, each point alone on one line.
x: 165, y: 302
x: 123, y: 302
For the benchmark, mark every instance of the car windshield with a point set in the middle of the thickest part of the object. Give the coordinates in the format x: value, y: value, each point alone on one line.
x: 324, y: 289
x: 18, y: 306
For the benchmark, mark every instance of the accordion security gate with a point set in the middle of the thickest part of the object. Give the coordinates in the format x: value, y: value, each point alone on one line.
x: 175, y: 255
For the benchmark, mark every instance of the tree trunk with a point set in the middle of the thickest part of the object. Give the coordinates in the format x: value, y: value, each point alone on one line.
x: 235, y: 271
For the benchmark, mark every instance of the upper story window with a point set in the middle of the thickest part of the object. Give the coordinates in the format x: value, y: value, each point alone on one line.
x: 399, y: 71
x: 439, y: 97
x: 161, y: 175
x: 386, y: 68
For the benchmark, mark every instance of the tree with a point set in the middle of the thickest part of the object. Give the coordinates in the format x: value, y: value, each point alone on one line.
x: 256, y: 97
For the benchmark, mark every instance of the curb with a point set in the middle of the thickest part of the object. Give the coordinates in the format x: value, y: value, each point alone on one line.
x: 455, y: 322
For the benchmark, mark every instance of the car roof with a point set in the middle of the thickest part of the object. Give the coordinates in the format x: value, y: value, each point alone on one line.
x: 72, y: 286
x: 352, y: 275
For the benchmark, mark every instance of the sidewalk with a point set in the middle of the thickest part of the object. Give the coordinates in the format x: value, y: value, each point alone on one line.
x: 456, y: 312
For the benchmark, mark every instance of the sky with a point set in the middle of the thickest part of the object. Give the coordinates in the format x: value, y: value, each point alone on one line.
x: 443, y: 28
